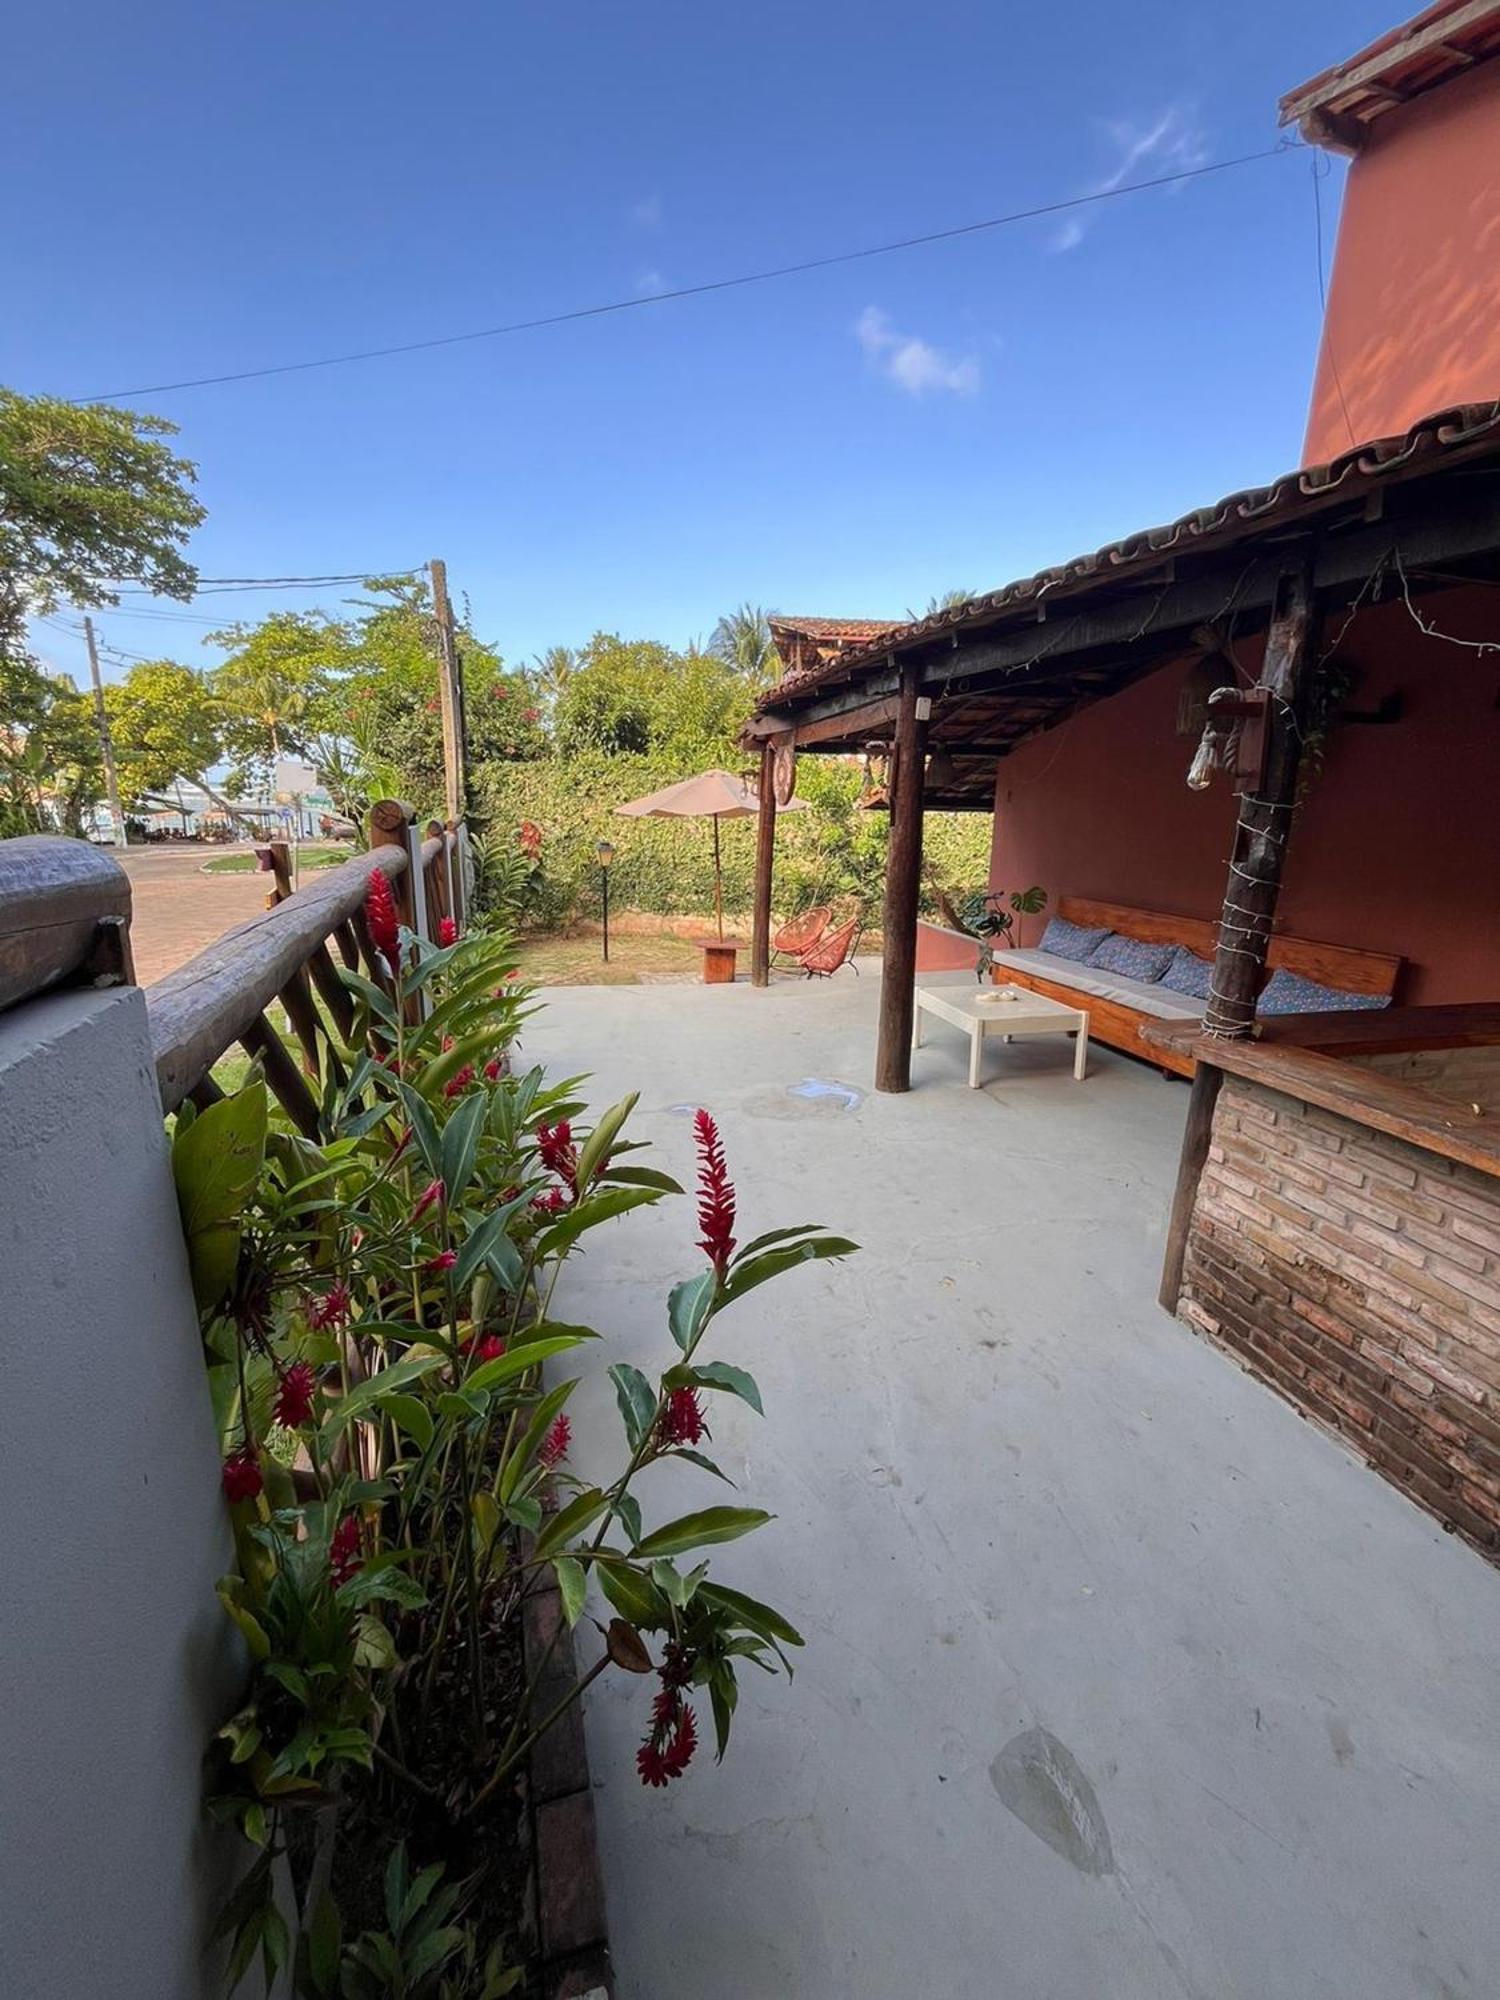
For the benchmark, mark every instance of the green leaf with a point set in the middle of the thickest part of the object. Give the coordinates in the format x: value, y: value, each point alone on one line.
x: 572, y: 1583
x: 325, y: 1943
x: 251, y: 1629
x: 697, y: 1458
x: 216, y: 1162
x: 596, y: 1147
x: 526, y: 1449
x: 377, y: 1002
x: 460, y: 1146
x: 424, y: 1127
x: 693, y: 1531
x: 756, y: 1270
x: 647, y: 1177
x: 505, y: 1367
x: 776, y: 1236
x: 593, y: 1209
x: 637, y: 1400
x: 688, y: 1307
x: 571, y: 1520
x: 756, y: 1617
x: 412, y: 1414
x: 719, y: 1375
x: 490, y: 1240
x: 629, y: 1592
x: 628, y: 1514
x: 723, y: 1694
x: 672, y: 1586
x: 366, y: 1396
x: 525, y: 1510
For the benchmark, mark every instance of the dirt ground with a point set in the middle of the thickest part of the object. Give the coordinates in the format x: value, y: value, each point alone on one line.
x: 177, y: 909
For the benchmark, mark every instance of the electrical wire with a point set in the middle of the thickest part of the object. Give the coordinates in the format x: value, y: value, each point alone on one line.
x: 777, y: 271
x: 1320, y: 161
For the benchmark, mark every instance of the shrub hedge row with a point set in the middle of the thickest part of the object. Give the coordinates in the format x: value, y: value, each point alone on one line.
x: 666, y: 866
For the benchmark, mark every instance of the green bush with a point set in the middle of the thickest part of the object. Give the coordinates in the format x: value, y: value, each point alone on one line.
x: 665, y: 867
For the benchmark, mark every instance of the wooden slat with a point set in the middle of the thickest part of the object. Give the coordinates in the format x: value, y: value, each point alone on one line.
x: 296, y: 998
x: 1346, y: 967
x: 1402, y: 1110
x: 348, y: 944
x: 1152, y: 926
x: 332, y: 991
x: 260, y: 1041
x: 1110, y: 1021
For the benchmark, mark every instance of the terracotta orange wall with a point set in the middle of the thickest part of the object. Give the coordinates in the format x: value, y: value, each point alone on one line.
x: 1414, y: 302
x: 1396, y: 849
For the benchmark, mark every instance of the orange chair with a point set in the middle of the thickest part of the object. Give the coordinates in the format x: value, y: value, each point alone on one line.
x: 835, y: 949
x: 801, y: 934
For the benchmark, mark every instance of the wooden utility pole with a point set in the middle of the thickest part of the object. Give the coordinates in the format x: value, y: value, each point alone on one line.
x: 765, y: 861
x: 106, y: 742
x: 903, y: 876
x: 451, y: 696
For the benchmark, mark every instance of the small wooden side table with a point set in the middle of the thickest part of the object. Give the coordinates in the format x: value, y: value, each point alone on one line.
x: 718, y: 960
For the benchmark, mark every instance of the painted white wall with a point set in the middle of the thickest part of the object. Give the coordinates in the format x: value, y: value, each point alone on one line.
x: 116, y: 1661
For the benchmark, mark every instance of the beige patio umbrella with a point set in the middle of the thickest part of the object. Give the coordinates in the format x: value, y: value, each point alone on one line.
x: 711, y: 795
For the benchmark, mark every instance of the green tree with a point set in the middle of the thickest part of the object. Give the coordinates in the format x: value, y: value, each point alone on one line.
x: 89, y: 498
x: 632, y: 697
x: 742, y: 640
x: 948, y: 601
x: 280, y: 689
x: 167, y: 724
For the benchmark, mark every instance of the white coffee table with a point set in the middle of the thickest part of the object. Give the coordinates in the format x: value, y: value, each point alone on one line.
x: 956, y: 998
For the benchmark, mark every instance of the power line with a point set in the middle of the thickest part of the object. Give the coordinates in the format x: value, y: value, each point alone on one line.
x: 697, y: 291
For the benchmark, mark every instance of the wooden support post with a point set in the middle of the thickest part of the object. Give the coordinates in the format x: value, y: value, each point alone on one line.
x: 439, y: 883
x: 389, y: 819
x: 457, y: 902
x: 451, y: 696
x: 1265, y: 818
x: 348, y: 945
x: 1203, y: 1095
x: 903, y: 873
x: 765, y: 864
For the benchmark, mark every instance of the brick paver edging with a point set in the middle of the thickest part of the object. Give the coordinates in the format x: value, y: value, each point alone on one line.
x: 571, y: 1929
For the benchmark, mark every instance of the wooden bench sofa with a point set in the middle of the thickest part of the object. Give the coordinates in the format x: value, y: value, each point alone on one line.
x: 1119, y: 1022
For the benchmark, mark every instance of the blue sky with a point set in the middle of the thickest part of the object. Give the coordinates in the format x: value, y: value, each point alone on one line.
x: 205, y: 187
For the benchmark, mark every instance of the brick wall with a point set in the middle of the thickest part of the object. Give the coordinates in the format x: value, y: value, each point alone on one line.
x: 1360, y: 1277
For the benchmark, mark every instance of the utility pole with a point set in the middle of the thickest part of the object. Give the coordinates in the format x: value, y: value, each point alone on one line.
x: 106, y: 745
x: 451, y: 697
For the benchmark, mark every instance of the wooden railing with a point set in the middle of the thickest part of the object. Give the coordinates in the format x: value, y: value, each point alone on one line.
x: 221, y: 996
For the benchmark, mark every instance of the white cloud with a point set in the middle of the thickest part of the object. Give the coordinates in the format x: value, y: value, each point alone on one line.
x: 1172, y: 143
x: 650, y: 281
x: 646, y: 213
x: 912, y: 364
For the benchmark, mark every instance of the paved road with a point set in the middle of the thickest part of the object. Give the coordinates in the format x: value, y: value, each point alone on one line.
x: 177, y: 909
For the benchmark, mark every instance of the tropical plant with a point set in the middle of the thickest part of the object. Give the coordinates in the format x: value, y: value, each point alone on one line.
x: 742, y: 640
x: 378, y: 1312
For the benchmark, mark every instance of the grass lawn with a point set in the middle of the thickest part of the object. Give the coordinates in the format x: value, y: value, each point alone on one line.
x: 634, y: 960
x: 312, y: 857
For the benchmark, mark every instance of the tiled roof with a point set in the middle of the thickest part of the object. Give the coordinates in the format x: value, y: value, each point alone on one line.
x: 806, y: 645
x: 835, y: 628
x: 1337, y: 107
x: 1428, y: 446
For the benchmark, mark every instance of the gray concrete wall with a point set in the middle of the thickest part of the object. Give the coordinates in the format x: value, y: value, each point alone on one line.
x: 115, y: 1661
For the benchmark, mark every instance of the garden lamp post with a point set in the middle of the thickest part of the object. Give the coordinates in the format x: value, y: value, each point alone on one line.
x: 606, y: 853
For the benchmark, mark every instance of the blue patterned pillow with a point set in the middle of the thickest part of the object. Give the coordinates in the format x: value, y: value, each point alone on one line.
x: 1131, y: 957
x: 1075, y: 941
x: 1289, y: 993
x: 1188, y: 974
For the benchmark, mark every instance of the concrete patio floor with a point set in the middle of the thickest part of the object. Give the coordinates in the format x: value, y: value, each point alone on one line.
x: 1120, y: 1679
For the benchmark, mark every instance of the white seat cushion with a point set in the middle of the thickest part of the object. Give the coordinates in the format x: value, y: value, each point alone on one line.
x: 1144, y: 996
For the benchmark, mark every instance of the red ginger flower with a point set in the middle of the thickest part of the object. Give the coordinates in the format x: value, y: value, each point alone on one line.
x: 240, y: 1474
x: 459, y: 1081
x: 668, y: 1749
x: 497, y: 1066
x: 715, y: 1195
x: 434, y: 1191
x: 443, y: 1261
x: 333, y: 1309
x: 529, y: 835
x: 554, y: 1445
x: 345, y: 1553
x: 483, y: 1347
x: 380, y: 920
x: 447, y: 931
x: 553, y: 1202
x: 681, y: 1421
x: 555, y: 1145
x: 294, y: 1395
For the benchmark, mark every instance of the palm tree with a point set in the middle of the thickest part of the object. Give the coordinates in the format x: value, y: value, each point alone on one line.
x: 551, y: 672
x: 742, y: 640
x: 949, y: 601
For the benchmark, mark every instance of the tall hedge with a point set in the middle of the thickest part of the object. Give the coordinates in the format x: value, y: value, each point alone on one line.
x: 665, y: 867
